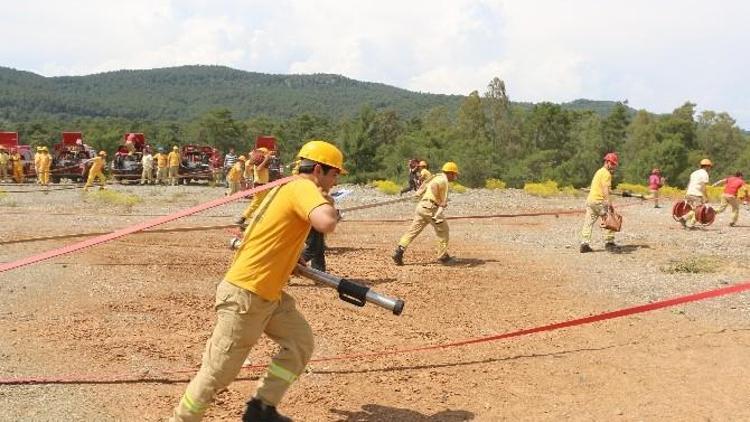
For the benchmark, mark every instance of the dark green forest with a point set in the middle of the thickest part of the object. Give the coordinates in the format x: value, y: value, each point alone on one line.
x: 378, y: 126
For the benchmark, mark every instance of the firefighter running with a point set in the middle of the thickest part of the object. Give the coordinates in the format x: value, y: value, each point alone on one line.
x: 250, y: 300
x: 430, y: 210
x: 696, y: 192
x: 598, y: 204
x: 732, y: 186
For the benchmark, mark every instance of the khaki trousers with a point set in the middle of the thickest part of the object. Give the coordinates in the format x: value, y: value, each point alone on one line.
x: 693, y: 201
x: 147, y: 176
x: 3, y: 171
x: 92, y: 177
x: 254, y: 204
x: 18, y: 173
x: 734, y: 203
x: 423, y: 216
x: 233, y: 187
x: 161, y: 175
x: 173, y: 170
x: 594, y: 211
x: 44, y: 177
x: 241, y: 319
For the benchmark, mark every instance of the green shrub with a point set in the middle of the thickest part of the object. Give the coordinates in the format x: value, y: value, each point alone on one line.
x: 671, y: 192
x: 633, y: 188
x: 386, y: 186
x: 695, y: 265
x: 114, y: 197
x: 494, y: 184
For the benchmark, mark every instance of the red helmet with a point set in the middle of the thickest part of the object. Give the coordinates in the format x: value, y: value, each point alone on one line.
x: 612, y: 158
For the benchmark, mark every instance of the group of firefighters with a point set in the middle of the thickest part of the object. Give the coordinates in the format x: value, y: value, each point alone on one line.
x: 12, y: 158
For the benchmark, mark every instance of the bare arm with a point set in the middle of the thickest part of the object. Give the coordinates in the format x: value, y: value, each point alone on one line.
x: 324, y: 218
x: 719, y: 182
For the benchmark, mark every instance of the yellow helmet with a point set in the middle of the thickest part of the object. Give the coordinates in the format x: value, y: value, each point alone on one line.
x: 242, y: 158
x: 174, y: 148
x: 423, y: 164
x: 706, y: 162
x: 323, y: 152
x: 45, y: 149
x: 450, y: 167
x: 103, y: 153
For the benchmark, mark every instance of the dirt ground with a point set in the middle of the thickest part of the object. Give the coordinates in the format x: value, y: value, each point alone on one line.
x: 142, y: 305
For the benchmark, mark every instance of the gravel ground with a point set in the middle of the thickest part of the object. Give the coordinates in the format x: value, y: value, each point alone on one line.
x: 143, y: 303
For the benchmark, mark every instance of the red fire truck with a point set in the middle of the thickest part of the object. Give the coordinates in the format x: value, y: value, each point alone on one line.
x: 70, y: 156
x: 196, y: 163
x: 126, y: 163
x: 275, y: 168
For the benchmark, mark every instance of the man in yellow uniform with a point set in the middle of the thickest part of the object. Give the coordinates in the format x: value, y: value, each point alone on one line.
x: 174, y: 165
x: 424, y: 174
x: 4, y: 160
x: 234, y: 176
x: 161, y: 167
x: 250, y: 301
x: 97, y: 171
x: 260, y: 178
x: 37, y: 158
x: 430, y: 211
x: 598, y: 204
x: 16, y: 161
x: 45, y: 163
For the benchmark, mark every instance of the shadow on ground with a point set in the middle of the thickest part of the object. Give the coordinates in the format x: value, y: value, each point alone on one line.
x: 378, y: 413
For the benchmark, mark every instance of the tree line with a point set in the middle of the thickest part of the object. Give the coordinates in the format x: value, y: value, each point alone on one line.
x: 487, y: 135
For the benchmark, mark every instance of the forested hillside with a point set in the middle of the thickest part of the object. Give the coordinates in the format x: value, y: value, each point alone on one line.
x: 377, y: 126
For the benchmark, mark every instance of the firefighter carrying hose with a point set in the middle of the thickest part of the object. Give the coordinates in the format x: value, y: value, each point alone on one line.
x: 97, y: 171
x: 598, y: 204
x: 260, y: 178
x: 250, y: 301
x: 696, y: 192
x: 430, y: 211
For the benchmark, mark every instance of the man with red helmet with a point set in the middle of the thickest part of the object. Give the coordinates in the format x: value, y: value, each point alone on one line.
x: 732, y: 186
x: 598, y: 204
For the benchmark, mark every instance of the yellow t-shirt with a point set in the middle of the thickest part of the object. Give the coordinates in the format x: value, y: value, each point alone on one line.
x: 260, y: 175
x: 235, y: 173
x: 37, y: 158
x: 161, y: 160
x: 174, y: 159
x: 602, y: 178
x: 424, y: 174
x: 4, y: 158
x: 272, y: 244
x: 98, y: 165
x: 442, y: 187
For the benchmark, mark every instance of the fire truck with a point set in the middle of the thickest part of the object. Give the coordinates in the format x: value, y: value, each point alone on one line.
x: 126, y: 163
x: 10, y: 141
x: 196, y: 163
x: 69, y: 158
x: 275, y: 168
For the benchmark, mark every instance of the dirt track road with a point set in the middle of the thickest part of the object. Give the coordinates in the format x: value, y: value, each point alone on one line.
x: 142, y: 305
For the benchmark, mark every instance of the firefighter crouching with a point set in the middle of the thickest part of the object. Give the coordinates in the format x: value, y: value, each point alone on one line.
x: 260, y: 177
x: 430, y: 211
x: 234, y: 176
x: 250, y: 301
x: 598, y: 204
x: 97, y: 171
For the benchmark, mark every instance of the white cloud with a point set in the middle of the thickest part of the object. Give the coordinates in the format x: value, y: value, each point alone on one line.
x: 655, y: 54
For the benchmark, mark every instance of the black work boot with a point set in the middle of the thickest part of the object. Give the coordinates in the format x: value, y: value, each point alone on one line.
x: 398, y: 255
x: 445, y: 259
x: 586, y: 248
x: 611, y: 247
x: 257, y: 411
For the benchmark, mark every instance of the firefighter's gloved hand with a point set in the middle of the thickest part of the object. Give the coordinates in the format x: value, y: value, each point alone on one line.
x: 438, y: 217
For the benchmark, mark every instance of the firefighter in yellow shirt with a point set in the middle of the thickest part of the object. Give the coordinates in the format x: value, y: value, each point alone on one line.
x: 598, y: 203
x: 260, y: 178
x: 430, y: 211
x: 161, y: 167
x: 37, y: 158
x: 97, y: 171
x: 174, y: 165
x: 424, y: 174
x: 251, y: 301
x: 4, y: 160
x: 45, y: 163
x: 234, y: 176
x: 16, y: 161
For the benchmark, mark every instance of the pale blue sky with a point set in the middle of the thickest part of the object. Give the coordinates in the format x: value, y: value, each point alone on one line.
x: 657, y: 54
